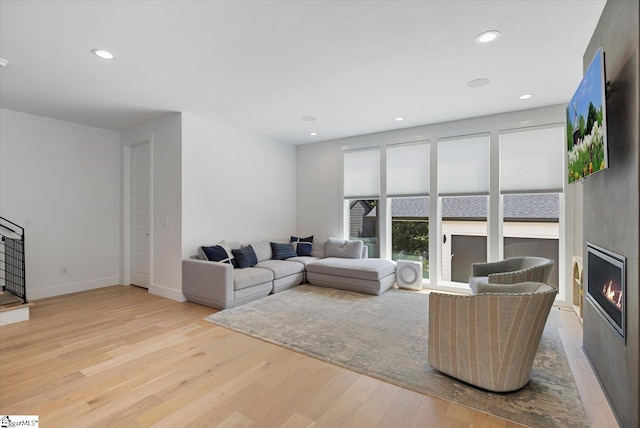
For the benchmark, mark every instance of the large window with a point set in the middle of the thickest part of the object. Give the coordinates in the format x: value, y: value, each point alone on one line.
x: 361, y: 193
x: 408, y: 189
x: 463, y: 186
x: 531, y: 178
x: 459, y: 201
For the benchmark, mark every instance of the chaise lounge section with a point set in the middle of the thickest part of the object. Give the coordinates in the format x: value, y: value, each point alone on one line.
x: 369, y: 276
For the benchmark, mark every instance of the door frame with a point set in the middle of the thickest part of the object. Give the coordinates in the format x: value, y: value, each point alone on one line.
x: 127, y: 209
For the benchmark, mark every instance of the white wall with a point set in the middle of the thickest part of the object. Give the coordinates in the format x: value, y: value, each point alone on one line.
x: 165, y: 137
x: 209, y: 181
x: 319, y: 189
x: 65, y: 178
x: 236, y: 185
x: 319, y: 175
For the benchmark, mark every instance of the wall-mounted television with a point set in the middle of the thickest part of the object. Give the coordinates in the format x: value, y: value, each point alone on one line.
x: 587, y: 123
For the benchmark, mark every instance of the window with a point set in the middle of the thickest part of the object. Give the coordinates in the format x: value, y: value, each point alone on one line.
x: 361, y: 192
x: 463, y: 186
x: 531, y: 178
x: 499, y: 195
x: 408, y: 186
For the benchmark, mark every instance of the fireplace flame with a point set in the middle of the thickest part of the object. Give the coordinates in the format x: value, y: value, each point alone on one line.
x: 614, y: 296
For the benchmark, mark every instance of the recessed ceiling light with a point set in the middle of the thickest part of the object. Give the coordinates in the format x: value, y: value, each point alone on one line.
x: 102, y: 53
x: 309, y: 118
x: 3, y: 62
x: 526, y: 96
x: 313, y: 134
x: 399, y: 118
x: 476, y: 83
x: 487, y: 36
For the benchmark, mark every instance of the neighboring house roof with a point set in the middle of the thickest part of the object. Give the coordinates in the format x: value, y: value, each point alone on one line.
x: 536, y: 206
x: 362, y: 202
x: 543, y: 207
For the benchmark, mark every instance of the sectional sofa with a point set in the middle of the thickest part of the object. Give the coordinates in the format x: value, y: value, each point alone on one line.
x: 229, y: 275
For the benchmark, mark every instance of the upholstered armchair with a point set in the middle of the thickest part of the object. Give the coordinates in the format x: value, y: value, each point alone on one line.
x: 511, y: 271
x: 489, y: 339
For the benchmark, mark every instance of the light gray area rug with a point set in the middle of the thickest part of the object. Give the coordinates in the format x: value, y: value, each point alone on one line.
x: 386, y: 337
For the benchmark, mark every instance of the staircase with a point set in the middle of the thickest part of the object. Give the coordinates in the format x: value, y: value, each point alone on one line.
x: 13, y: 294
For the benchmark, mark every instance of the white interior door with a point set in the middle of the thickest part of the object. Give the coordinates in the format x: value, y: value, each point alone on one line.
x: 140, y: 222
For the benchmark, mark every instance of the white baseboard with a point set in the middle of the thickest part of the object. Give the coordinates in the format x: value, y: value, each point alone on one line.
x: 169, y: 293
x: 59, y: 290
x: 17, y: 314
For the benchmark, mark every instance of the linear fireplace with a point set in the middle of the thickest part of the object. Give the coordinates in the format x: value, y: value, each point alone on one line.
x: 606, y: 286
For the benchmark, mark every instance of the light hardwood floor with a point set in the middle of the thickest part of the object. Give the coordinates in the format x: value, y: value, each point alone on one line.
x: 118, y: 356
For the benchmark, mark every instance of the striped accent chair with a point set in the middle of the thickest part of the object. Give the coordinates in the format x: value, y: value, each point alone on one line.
x: 489, y: 339
x: 511, y: 271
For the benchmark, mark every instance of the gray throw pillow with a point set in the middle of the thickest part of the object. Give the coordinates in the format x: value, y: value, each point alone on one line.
x: 263, y: 250
x: 343, y: 248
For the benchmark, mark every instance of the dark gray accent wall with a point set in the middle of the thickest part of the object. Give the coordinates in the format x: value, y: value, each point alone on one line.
x: 611, y: 206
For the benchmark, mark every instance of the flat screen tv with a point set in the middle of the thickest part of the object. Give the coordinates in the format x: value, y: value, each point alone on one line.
x: 587, y: 123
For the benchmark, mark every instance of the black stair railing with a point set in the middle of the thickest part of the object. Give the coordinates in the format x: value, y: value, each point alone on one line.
x: 12, y: 272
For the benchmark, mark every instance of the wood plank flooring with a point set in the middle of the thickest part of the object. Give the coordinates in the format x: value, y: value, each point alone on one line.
x: 118, y: 356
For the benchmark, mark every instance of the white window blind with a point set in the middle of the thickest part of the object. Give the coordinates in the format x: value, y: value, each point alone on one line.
x: 408, y: 170
x: 532, y: 159
x: 362, y: 174
x: 463, y: 165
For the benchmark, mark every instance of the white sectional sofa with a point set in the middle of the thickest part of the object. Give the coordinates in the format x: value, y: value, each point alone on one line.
x: 333, y: 263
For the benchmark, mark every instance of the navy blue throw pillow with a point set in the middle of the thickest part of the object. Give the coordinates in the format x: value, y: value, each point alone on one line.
x: 303, y: 245
x: 216, y: 254
x: 282, y: 251
x: 245, y: 257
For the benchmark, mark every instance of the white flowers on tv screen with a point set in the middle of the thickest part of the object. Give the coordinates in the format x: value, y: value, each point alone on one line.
x: 586, y: 124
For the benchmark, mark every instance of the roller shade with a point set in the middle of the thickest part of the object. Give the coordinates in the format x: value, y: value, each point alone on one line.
x: 362, y: 174
x: 463, y: 165
x: 408, y: 170
x: 532, y: 160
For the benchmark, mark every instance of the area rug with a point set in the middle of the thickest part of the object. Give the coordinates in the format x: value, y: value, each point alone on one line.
x: 386, y: 337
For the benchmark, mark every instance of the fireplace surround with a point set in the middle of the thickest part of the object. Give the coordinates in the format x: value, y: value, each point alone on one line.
x: 606, y: 286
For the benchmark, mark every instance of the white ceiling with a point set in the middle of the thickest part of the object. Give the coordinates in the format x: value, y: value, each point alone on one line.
x: 263, y: 65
